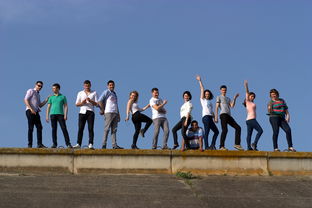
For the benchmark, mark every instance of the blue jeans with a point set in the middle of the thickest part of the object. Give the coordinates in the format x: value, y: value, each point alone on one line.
x: 276, y: 123
x: 251, y: 125
x: 210, y: 125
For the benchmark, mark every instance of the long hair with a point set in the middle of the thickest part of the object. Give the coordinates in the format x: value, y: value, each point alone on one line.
x: 136, y: 93
x: 251, y: 93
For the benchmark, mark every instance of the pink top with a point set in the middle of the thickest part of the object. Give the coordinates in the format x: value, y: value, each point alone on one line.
x: 251, y: 110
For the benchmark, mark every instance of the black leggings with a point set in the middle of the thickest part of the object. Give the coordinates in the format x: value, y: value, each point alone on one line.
x: 59, y: 118
x: 225, y: 120
x: 276, y: 123
x: 178, y: 126
x: 137, y: 119
x: 83, y: 118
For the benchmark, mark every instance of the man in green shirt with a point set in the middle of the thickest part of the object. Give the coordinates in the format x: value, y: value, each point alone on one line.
x: 58, y: 109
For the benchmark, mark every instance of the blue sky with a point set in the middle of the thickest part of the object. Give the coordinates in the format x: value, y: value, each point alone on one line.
x: 164, y: 44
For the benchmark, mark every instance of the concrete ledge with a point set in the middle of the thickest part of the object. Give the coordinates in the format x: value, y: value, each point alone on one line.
x: 85, y: 161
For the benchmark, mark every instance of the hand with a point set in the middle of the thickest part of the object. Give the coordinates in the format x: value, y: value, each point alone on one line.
x: 65, y: 117
x: 47, y: 119
x: 165, y: 102
x: 198, y: 78
x: 102, y: 113
x: 32, y: 111
x: 127, y: 119
x: 245, y: 82
x: 201, y: 149
x: 287, y: 119
x: 236, y: 96
x: 216, y: 119
x: 84, y: 101
x: 88, y: 100
x: 118, y: 118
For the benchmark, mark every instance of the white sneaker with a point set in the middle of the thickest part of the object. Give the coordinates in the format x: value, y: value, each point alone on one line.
x: 90, y: 146
x: 77, y: 146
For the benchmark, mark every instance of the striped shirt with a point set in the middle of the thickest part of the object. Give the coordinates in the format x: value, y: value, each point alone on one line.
x: 279, y: 107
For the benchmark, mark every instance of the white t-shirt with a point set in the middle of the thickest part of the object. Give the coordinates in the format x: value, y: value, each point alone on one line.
x: 207, y: 107
x: 155, y: 113
x: 109, y: 98
x: 186, y: 108
x: 82, y: 95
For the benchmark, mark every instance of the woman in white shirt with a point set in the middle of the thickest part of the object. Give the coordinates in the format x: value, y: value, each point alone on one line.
x: 185, y: 114
x: 137, y: 117
x: 208, y: 115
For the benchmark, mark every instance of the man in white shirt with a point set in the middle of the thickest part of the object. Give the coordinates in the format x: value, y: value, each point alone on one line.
x: 86, y: 100
x: 109, y: 108
x: 159, y: 118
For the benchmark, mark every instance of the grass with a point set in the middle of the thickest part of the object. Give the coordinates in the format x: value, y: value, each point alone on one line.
x: 185, y: 175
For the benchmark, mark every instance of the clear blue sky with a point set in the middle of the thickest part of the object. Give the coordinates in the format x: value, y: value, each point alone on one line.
x: 145, y: 44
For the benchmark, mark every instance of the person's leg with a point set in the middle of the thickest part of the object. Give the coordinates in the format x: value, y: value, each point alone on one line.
x: 201, y: 144
x: 156, y: 122
x: 184, y: 128
x: 82, y: 118
x: 177, y: 127
x: 137, y: 126
x: 285, y: 126
x: 275, y: 123
x: 108, y: 121
x: 114, y: 126
x: 53, y: 119
x: 90, y: 120
x: 31, y: 123
x: 207, y: 129
x: 224, y: 122
x: 249, y: 133
x: 259, y: 130
x: 215, y: 130
x: 237, y: 128
x: 62, y: 123
x: 147, y: 120
x: 165, y: 126
x: 39, y: 129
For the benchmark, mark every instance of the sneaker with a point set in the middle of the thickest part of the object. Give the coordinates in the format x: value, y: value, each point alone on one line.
x: 142, y: 133
x: 238, y: 147
x: 223, y: 148
x: 117, y: 147
x: 69, y: 146
x: 165, y: 148
x: 175, y: 146
x: 90, y: 146
x: 254, y: 147
x: 133, y: 146
x: 291, y: 149
x: 277, y: 150
x: 104, y: 146
x: 54, y: 146
x: 77, y: 146
x: 153, y: 148
x: 41, y: 146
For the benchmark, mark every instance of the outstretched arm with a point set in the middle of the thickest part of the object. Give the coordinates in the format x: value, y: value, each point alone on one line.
x: 201, y: 86
x: 232, y: 104
x: 146, y: 107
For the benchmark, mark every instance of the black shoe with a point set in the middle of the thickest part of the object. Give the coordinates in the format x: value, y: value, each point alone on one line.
x: 41, y: 146
x: 69, y: 146
x: 250, y: 149
x: 104, y: 146
x: 133, y: 146
x: 29, y: 146
x: 212, y: 147
x: 254, y: 147
x: 175, y: 146
x: 153, y: 148
x: 117, y: 147
x: 165, y: 148
x: 54, y: 146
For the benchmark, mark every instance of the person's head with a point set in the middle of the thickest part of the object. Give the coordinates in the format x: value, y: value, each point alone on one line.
x: 187, y: 96
x: 39, y: 85
x: 274, y: 94
x: 87, y: 85
x: 56, y: 88
x: 223, y: 89
x: 194, y: 125
x: 208, y: 95
x: 111, y: 85
x: 155, y: 92
x: 251, y: 97
x: 134, y: 95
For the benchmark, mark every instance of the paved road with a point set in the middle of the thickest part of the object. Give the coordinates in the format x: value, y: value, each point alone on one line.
x: 154, y: 191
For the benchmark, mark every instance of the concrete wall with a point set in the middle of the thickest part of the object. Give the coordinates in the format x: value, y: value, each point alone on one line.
x: 64, y: 161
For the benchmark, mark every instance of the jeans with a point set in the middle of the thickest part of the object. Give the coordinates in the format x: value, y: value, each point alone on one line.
x: 137, y: 119
x: 225, y: 120
x: 83, y: 118
x: 34, y: 120
x: 111, y: 122
x: 60, y: 119
x: 251, y: 125
x: 276, y: 123
x: 178, y: 126
x: 164, y: 124
x: 210, y: 125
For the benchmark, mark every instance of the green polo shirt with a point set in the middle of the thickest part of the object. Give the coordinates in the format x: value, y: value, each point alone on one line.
x: 57, y: 104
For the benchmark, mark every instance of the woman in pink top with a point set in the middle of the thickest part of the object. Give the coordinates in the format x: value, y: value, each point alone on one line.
x: 251, y: 121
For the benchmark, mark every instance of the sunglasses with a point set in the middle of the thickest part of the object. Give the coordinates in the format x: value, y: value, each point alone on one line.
x: 39, y: 85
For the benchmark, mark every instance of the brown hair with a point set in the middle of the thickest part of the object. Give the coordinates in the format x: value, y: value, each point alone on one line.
x: 274, y: 91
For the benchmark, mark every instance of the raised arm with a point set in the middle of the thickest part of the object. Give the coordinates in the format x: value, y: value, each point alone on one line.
x: 201, y: 86
x: 247, y: 90
x: 232, y: 104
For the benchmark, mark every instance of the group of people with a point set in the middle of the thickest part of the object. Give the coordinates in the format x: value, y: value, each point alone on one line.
x: 193, y: 137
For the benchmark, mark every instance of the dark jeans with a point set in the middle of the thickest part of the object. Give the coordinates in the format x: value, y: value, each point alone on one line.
x: 210, y: 125
x: 276, y: 123
x: 251, y: 125
x: 34, y: 120
x: 137, y: 119
x: 225, y: 120
x: 60, y: 119
x: 178, y: 126
x: 83, y: 118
